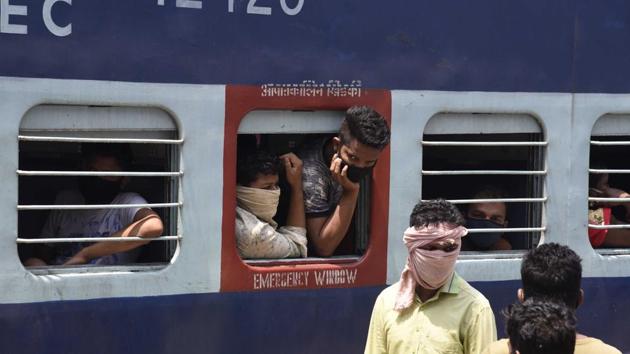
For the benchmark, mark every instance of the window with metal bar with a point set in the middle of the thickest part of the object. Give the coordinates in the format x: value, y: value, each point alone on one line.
x: 609, y: 180
x: 52, y: 176
x: 493, y: 167
x: 280, y: 132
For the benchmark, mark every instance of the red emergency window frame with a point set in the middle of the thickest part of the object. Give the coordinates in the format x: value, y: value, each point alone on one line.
x: 368, y: 270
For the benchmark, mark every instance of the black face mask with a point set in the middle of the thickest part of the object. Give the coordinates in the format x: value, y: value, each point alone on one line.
x: 483, y: 240
x: 96, y: 190
x: 355, y: 174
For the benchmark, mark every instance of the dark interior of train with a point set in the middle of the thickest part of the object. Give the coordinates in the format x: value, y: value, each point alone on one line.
x: 489, y: 158
x: 47, y: 156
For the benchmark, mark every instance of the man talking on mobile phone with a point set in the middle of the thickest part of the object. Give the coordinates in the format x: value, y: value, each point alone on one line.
x: 333, y: 168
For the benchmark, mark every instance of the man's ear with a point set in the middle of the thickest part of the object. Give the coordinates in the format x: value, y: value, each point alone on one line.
x: 520, y: 295
x: 580, y: 298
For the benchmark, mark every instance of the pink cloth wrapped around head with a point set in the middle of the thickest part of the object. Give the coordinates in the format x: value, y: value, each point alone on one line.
x: 429, y: 269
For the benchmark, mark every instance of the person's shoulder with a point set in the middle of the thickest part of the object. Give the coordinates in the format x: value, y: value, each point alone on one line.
x: 470, y: 293
x: 387, y: 296
x: 129, y: 198
x: 499, y: 347
x: 594, y: 345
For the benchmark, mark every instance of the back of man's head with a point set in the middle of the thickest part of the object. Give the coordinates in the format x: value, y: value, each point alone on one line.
x: 541, y: 327
x: 552, y: 271
x: 434, y: 212
x: 365, y: 125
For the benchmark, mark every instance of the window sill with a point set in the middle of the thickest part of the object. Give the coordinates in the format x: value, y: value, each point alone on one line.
x: 92, y: 269
x: 300, y: 261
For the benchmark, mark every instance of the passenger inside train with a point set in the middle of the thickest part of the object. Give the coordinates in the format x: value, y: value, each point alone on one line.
x: 601, y: 214
x: 333, y: 170
x: 258, y: 194
x: 487, y: 215
x: 462, y: 153
x: 540, y: 327
x: 554, y: 272
x: 122, y: 222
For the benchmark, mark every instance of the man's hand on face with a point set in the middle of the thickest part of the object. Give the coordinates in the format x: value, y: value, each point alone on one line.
x: 340, y: 174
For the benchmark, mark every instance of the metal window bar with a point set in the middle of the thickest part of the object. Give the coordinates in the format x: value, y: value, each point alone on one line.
x: 535, y: 187
x: 535, y: 180
x: 96, y: 206
x: 100, y: 173
x: 601, y: 199
x: 483, y: 172
x: 172, y: 193
x: 173, y: 185
x: 96, y: 239
x: 610, y: 143
x: 483, y: 143
x: 497, y: 200
x: 607, y: 227
x: 596, y: 170
x: 99, y: 140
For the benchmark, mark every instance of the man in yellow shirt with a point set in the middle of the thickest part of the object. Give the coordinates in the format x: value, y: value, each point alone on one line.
x: 554, y: 272
x: 431, y: 309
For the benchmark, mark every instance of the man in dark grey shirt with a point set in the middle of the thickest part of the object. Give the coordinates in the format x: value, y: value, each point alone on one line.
x: 331, y: 173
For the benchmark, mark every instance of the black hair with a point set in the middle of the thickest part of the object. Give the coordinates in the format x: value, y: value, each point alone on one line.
x: 121, y: 152
x: 433, y: 212
x: 541, y: 327
x: 552, y: 271
x: 366, y: 125
x: 250, y: 165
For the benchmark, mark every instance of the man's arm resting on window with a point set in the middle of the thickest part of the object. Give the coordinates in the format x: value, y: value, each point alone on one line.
x: 326, y: 233
x: 146, y: 223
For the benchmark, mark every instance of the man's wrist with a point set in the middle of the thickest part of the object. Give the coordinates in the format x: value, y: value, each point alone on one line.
x: 350, y: 193
x: 85, y: 254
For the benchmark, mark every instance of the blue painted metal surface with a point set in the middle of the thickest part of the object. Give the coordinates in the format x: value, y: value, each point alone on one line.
x: 485, y: 45
x: 314, y: 321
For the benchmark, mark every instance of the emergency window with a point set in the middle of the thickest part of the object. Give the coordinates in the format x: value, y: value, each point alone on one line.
x: 51, y: 140
x: 281, y: 132
x: 609, y: 180
x: 477, y: 159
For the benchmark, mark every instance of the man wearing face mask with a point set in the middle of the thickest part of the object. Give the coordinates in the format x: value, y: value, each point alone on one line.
x: 431, y: 309
x: 257, y: 194
x: 333, y: 168
x: 487, y: 215
x: 139, y: 222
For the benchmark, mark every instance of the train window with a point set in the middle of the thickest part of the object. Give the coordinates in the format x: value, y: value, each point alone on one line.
x: 67, y: 201
x: 493, y: 167
x: 281, y: 132
x: 609, y: 180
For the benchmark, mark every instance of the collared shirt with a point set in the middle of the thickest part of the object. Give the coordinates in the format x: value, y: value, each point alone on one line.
x: 457, y: 319
x: 586, y: 345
